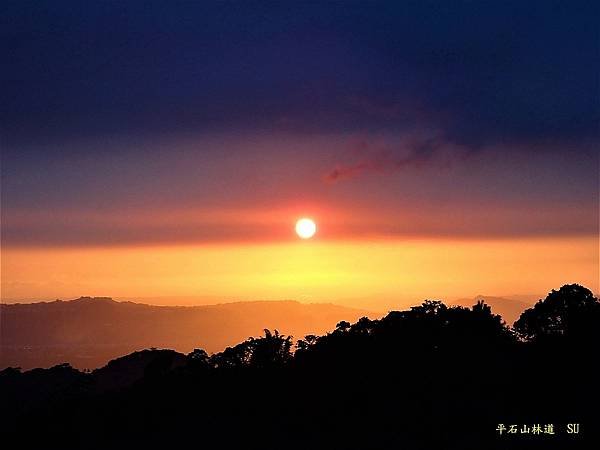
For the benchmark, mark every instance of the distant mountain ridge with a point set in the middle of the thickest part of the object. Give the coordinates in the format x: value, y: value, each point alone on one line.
x: 89, y: 331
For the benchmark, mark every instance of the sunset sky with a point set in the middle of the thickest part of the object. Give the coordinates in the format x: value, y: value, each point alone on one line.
x: 167, y: 149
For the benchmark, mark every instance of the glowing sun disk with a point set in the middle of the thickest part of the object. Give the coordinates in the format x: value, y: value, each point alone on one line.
x: 306, y: 228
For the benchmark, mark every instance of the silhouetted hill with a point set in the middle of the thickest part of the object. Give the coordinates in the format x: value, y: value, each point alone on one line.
x: 431, y: 377
x: 126, y: 370
x: 509, y: 308
x: 88, y: 332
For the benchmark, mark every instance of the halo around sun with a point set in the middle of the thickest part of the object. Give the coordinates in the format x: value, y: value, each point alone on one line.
x: 306, y: 228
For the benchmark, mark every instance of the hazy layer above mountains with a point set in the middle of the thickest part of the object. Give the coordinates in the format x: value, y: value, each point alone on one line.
x: 88, y: 332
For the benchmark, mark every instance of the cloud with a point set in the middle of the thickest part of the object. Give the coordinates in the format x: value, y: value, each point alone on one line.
x: 415, y: 152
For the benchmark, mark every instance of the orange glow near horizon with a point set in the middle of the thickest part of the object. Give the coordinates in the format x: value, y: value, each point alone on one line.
x: 376, y: 275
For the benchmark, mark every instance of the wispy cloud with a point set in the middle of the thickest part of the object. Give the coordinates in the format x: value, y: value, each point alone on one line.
x: 417, y: 152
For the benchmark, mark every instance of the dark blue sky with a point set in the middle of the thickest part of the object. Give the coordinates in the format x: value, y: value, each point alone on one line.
x: 479, y: 72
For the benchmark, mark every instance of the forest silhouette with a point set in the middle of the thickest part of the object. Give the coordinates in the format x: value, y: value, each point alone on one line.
x: 429, y: 377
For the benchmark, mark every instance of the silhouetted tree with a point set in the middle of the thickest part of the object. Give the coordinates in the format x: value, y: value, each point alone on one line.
x: 429, y: 308
x: 305, y: 344
x: 272, y: 350
x: 233, y: 357
x: 198, y: 359
x: 342, y: 326
x: 571, y: 313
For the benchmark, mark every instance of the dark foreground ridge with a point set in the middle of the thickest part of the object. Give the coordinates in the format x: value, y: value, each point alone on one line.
x: 432, y: 377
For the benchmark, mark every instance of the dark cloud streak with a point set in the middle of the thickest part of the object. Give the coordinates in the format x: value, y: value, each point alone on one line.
x: 413, y: 153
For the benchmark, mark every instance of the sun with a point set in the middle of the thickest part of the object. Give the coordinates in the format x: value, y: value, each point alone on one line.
x: 306, y: 228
